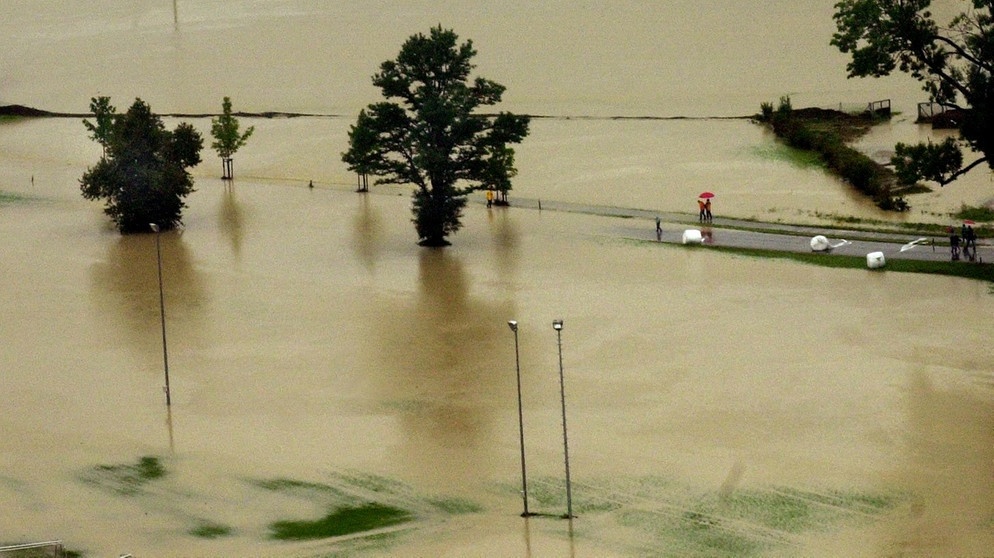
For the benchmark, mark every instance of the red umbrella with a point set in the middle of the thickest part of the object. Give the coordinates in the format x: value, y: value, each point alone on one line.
x: 969, y: 222
x: 706, y: 195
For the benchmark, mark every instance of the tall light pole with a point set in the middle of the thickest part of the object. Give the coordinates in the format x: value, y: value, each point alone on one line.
x: 162, y: 310
x: 558, y: 326
x: 513, y: 324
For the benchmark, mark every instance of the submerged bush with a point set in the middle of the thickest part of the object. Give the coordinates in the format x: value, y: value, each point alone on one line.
x: 978, y: 213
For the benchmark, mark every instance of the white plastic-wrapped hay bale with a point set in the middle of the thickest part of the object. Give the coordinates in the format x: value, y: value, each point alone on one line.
x: 819, y: 244
x: 875, y: 260
x: 692, y: 236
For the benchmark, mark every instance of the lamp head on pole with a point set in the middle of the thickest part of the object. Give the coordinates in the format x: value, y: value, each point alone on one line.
x: 557, y: 325
x: 513, y: 324
x: 154, y: 227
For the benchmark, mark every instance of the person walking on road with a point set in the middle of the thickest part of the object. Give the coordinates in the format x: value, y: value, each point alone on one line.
x: 703, y: 213
x: 953, y: 244
x: 707, y: 210
x: 970, y: 243
x: 659, y: 229
x: 971, y: 237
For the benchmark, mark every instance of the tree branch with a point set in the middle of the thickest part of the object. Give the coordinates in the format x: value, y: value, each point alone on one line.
x: 962, y: 171
x: 964, y: 54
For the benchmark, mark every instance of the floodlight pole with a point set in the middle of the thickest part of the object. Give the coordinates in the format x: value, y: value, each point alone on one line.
x: 558, y: 326
x: 162, y: 311
x: 513, y: 324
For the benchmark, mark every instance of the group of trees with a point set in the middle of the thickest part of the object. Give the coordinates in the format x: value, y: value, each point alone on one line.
x: 142, y: 173
x: 428, y: 132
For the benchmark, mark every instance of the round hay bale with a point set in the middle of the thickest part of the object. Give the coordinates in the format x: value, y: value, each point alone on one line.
x: 819, y: 244
x: 875, y: 260
x: 692, y: 236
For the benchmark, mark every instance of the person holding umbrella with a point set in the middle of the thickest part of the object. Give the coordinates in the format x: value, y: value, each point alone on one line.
x: 705, y: 206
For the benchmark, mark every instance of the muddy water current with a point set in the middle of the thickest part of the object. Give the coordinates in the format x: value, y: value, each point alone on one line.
x: 717, y: 405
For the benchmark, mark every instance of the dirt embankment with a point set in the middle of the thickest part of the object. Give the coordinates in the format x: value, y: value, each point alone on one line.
x: 21, y: 110
x: 30, y: 112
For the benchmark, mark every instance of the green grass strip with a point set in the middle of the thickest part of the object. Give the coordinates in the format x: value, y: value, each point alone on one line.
x: 968, y: 270
x: 344, y: 521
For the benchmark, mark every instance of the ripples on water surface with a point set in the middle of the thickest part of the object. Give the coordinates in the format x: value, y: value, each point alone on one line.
x: 319, y: 358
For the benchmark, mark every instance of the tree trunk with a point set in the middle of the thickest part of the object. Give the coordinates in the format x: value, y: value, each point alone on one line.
x: 432, y: 216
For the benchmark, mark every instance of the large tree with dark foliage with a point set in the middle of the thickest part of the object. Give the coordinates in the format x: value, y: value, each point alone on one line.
x: 955, y: 65
x: 428, y: 133
x: 142, y: 174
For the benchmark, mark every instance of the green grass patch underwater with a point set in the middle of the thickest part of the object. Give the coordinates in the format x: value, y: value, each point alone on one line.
x: 126, y: 479
x: 340, y: 522
x: 10, y: 197
x: 666, y: 517
x: 784, y: 153
x: 360, y: 506
x: 210, y: 530
x: 748, y: 522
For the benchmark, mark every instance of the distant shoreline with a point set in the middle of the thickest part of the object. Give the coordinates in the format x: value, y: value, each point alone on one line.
x: 21, y: 110
x: 31, y: 112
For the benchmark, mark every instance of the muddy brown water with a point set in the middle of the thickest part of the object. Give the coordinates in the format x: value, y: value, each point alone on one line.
x: 717, y: 405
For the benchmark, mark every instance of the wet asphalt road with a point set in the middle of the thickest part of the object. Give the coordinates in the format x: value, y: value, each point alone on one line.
x: 640, y: 224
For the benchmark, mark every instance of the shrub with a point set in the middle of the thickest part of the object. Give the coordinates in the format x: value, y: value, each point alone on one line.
x: 818, y: 131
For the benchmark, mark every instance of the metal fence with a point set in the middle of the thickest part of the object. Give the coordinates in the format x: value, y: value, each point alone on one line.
x: 881, y: 107
x: 928, y: 111
x: 47, y: 549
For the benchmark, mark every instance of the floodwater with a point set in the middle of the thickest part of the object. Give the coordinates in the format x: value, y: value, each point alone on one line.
x: 717, y: 405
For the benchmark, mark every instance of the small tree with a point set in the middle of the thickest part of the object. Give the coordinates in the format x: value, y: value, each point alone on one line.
x: 227, y: 140
x: 955, y: 65
x: 428, y: 132
x: 362, y: 150
x: 142, y: 174
x: 104, y: 115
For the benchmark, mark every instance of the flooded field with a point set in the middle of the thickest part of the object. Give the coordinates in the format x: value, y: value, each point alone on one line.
x: 325, y: 370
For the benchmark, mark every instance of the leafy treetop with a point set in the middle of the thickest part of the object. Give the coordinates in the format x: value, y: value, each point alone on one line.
x: 428, y: 133
x: 955, y: 65
x: 224, y: 129
x: 142, y: 173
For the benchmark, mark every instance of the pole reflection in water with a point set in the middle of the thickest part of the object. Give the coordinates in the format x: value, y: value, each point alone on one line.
x: 169, y: 427
x: 572, y: 539
x: 528, y: 538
